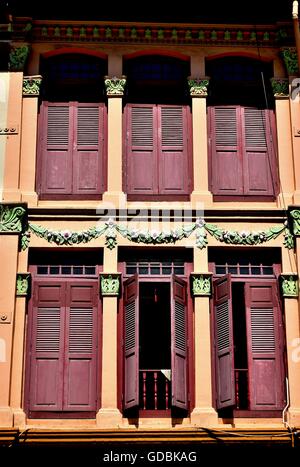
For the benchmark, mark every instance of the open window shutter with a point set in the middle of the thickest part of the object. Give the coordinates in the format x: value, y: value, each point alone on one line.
x: 179, y: 344
x: 131, y: 343
x: 88, y: 176
x: 141, y: 154
x: 260, y: 174
x: 56, y: 148
x: 225, y: 150
x: 46, y: 347
x: 264, y: 344
x: 224, y: 349
x: 80, y: 378
x: 173, y: 163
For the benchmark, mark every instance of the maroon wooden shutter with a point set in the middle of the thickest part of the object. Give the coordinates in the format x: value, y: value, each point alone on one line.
x: 131, y: 342
x: 264, y: 344
x: 55, y: 148
x: 179, y: 344
x: 80, y: 383
x: 141, y: 152
x: 224, y: 349
x: 225, y: 150
x: 88, y: 149
x: 260, y: 174
x: 173, y: 163
x: 46, y: 359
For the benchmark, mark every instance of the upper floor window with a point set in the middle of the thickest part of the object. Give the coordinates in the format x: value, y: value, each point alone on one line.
x: 72, y: 128
x: 157, y: 129
x: 242, y: 130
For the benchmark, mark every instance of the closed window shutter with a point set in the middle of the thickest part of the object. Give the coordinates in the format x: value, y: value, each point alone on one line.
x: 131, y: 343
x: 88, y: 173
x: 55, y: 149
x: 224, y: 347
x: 179, y: 345
x: 173, y: 132
x: 265, y: 349
x: 141, y: 153
x: 259, y: 165
x: 225, y: 150
x: 46, y: 360
x: 80, y: 384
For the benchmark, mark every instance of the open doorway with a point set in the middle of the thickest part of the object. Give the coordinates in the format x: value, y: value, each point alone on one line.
x: 155, y: 346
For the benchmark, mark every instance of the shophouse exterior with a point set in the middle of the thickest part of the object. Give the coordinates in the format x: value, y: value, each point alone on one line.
x: 149, y: 231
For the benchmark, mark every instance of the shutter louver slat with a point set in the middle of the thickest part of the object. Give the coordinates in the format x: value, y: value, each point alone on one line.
x: 48, y: 330
x: 81, y: 330
x: 142, y: 126
x: 262, y: 330
x: 88, y: 126
x: 172, y: 127
x: 58, y: 126
x: 222, y: 315
x: 130, y: 326
x: 180, y: 327
x: 225, y: 127
x: 255, y: 128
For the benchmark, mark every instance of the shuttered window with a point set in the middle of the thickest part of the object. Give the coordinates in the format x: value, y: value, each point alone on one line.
x: 157, y: 150
x: 242, y: 149
x: 71, y: 153
x: 63, y: 340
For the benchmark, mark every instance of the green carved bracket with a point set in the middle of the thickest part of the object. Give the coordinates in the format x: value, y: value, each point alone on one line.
x: 280, y: 87
x: 23, y: 284
x: 31, y: 85
x: 289, y: 285
x: 198, y: 86
x: 294, y: 215
x: 289, y: 55
x: 18, y: 57
x: 12, y: 218
x: 110, y: 284
x: 115, y: 86
x: 201, y: 284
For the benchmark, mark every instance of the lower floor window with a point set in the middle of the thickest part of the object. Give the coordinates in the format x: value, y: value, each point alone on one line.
x: 249, y: 348
x: 63, y: 342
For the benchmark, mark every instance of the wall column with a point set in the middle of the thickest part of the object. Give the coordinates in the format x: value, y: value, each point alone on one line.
x: 203, y: 414
x: 115, y: 91
x: 295, y: 124
x: 284, y: 138
x: 31, y: 89
x: 10, y: 226
x: 198, y: 92
x: 109, y: 415
x: 292, y: 330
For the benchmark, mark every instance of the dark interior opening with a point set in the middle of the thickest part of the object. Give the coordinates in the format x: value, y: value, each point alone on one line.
x: 155, y: 345
x: 155, y: 79
x: 240, y: 345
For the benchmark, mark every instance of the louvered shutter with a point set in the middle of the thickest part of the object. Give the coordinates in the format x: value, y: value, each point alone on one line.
x: 131, y: 343
x: 46, y: 347
x: 173, y: 163
x: 260, y: 174
x: 80, y: 366
x: 265, y: 347
x: 88, y: 149
x: 224, y: 349
x: 179, y: 344
x: 141, y: 153
x: 225, y: 150
x: 55, y: 148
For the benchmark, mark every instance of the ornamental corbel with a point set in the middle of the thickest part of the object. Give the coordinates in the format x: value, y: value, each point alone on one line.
x: 280, y: 87
x: 201, y: 284
x: 115, y: 86
x: 289, y: 55
x: 198, y: 86
x: 23, y: 284
x: 294, y: 220
x: 289, y: 285
x: 32, y: 85
x: 18, y: 57
x: 110, y: 284
x: 12, y: 218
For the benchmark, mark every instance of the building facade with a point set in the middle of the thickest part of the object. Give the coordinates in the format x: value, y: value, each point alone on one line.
x: 149, y: 231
